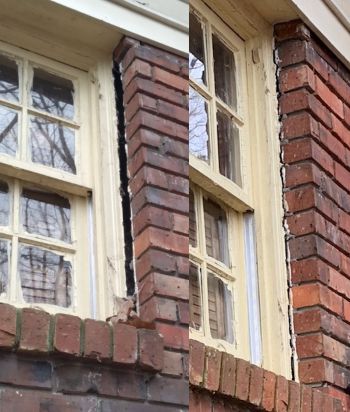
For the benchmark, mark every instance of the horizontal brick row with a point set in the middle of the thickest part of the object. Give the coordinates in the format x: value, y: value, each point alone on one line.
x: 37, y: 332
x: 224, y: 375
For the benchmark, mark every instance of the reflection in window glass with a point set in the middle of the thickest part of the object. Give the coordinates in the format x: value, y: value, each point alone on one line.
x: 8, y: 131
x: 220, y: 309
x: 196, y: 55
x: 228, y: 145
x: 53, y: 94
x: 45, y: 276
x: 9, y: 89
x: 195, y: 298
x: 52, y: 144
x: 198, y: 126
x: 192, y: 218
x: 4, y: 265
x: 224, y: 73
x: 216, y: 232
x: 4, y: 204
x: 45, y: 214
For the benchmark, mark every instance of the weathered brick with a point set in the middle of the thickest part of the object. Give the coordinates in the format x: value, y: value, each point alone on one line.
x: 294, y: 396
x: 173, y: 363
x: 97, y: 339
x: 269, y: 388
x: 35, y: 331
x: 174, y: 336
x: 212, y: 369
x: 242, y: 379
x: 67, y: 334
x: 8, y: 322
x: 151, y: 350
x: 256, y: 385
x: 281, y: 394
x: 197, y: 361
x: 228, y: 375
x: 125, y: 344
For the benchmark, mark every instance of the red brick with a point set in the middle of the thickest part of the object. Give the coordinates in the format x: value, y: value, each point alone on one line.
x: 269, y: 387
x: 315, y: 370
x: 291, y: 30
x: 183, y: 312
x: 242, y: 379
x: 342, y: 176
x: 35, y: 331
x: 329, y: 98
x: 158, y: 308
x: 212, y: 369
x: 163, y: 285
x: 97, y: 339
x: 294, y: 397
x: 300, y: 199
x: 125, y: 344
x: 339, y: 86
x: 173, y: 363
x: 256, y: 385
x: 306, y: 398
x: 347, y: 311
x: 153, y: 237
x: 170, y: 80
x: 347, y: 114
x: 197, y: 361
x: 306, y: 270
x: 317, y: 401
x: 307, y: 321
x: 299, y: 125
x: 175, y: 337
x: 281, y: 394
x: 8, y: 320
x: 67, y: 334
x: 228, y: 375
x: 151, y: 349
x: 310, y: 346
x: 296, y: 77
x: 137, y: 68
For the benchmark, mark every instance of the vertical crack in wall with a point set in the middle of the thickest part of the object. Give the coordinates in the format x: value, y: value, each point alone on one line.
x: 124, y: 183
x: 285, y: 225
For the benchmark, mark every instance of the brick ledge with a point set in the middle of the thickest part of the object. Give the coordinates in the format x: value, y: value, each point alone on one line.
x: 38, y: 332
x: 222, y: 374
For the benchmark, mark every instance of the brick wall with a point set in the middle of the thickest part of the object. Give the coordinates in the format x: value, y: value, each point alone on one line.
x: 315, y: 108
x: 155, y: 85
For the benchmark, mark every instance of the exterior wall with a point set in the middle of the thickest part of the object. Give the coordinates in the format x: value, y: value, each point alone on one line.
x: 314, y: 103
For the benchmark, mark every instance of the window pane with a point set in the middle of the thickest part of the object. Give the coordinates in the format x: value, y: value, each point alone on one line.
x: 45, y: 214
x: 198, y: 126
x: 4, y: 265
x: 197, y: 54
x: 220, y: 309
x: 8, y: 131
x: 216, y: 232
x: 193, y: 228
x: 195, y: 298
x: 228, y: 146
x: 45, y: 276
x: 224, y: 73
x: 9, y: 89
x: 52, y: 144
x: 4, y: 204
x: 53, y: 94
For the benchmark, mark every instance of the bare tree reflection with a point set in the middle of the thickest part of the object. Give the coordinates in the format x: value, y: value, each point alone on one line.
x: 4, y: 204
x: 45, y: 277
x: 4, y: 249
x: 46, y: 214
x: 198, y: 126
x: 8, y: 131
x: 8, y: 79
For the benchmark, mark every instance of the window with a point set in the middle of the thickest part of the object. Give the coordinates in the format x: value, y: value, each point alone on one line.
x: 238, y: 278
x: 45, y: 182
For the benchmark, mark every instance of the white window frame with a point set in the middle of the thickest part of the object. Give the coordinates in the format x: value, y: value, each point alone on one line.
x: 261, y: 193
x: 99, y: 279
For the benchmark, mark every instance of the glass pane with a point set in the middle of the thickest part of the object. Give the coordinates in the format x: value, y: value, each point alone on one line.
x: 4, y: 204
x: 8, y: 131
x: 220, y: 309
x: 9, y: 89
x: 197, y: 54
x: 216, y: 231
x: 198, y: 126
x: 45, y: 276
x: 228, y: 146
x: 53, y: 94
x: 4, y: 265
x: 45, y: 214
x: 193, y: 228
x: 195, y: 298
x: 224, y: 73
x: 52, y: 144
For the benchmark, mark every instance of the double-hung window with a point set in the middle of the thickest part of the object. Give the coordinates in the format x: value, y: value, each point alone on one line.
x: 45, y: 176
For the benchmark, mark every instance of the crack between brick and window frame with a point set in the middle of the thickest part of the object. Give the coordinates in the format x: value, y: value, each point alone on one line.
x: 292, y: 340
x: 124, y: 185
